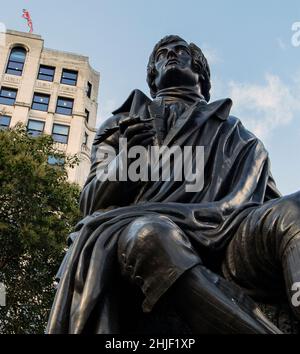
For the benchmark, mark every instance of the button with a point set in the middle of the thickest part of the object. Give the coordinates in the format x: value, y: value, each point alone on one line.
x: 129, y: 268
x: 139, y: 280
x: 123, y: 255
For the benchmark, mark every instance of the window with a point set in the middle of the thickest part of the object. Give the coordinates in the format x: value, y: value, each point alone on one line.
x: 87, y: 114
x: 60, y: 133
x: 40, y: 102
x: 56, y: 161
x: 46, y: 73
x: 85, y: 139
x: 64, y: 106
x: 16, y: 61
x: 8, y: 96
x: 89, y: 89
x: 35, y: 127
x: 4, y: 122
x: 69, y: 77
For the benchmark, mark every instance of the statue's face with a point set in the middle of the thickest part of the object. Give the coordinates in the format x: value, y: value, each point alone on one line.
x: 173, y: 63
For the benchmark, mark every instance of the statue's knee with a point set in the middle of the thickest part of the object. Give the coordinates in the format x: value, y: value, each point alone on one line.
x: 289, y: 206
x: 147, y: 241
x: 145, y: 234
x: 282, y: 223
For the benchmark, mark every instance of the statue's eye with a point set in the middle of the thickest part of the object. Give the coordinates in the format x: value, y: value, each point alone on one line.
x: 160, y: 56
x: 182, y: 51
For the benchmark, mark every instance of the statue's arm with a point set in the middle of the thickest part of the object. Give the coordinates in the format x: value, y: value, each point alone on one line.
x: 99, y: 192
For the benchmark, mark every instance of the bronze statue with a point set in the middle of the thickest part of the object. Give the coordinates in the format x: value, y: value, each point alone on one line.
x: 208, y: 254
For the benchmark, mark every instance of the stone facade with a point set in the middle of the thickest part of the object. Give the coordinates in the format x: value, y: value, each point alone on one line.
x: 82, y: 94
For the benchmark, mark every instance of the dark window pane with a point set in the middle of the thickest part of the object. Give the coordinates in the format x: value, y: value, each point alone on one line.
x: 87, y: 114
x: 85, y: 139
x: 60, y: 129
x: 40, y: 102
x: 39, y: 107
x: 47, y: 70
x: 8, y: 96
x: 4, y: 122
x: 89, y: 89
x: 10, y: 93
x: 46, y: 73
x: 68, y: 82
x: 45, y: 78
x: 64, y: 102
x: 15, y: 65
x: 18, y: 54
x: 64, y: 111
x: 7, y: 101
x: 69, y: 77
x: 36, y: 125
x: 60, y: 138
x: 60, y: 133
x: 16, y: 61
x: 64, y: 106
x: 41, y: 98
x: 14, y: 72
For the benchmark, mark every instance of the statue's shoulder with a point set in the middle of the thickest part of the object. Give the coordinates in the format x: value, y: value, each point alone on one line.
x: 107, y: 128
x: 237, y: 127
x: 134, y: 105
x: 231, y: 126
x: 222, y: 110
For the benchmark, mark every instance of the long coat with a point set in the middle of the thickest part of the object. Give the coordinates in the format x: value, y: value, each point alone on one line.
x: 237, y: 179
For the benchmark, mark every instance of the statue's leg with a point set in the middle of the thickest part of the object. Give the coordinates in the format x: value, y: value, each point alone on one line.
x: 264, y: 256
x: 155, y: 254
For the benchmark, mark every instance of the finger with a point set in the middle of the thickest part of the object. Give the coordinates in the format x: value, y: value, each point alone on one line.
x: 140, y: 139
x: 127, y: 122
x: 130, y: 121
x: 137, y: 129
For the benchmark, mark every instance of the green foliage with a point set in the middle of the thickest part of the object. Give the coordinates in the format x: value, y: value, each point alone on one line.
x: 38, y: 208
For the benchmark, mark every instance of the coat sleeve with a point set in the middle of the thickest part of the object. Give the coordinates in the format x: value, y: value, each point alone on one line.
x: 99, y: 194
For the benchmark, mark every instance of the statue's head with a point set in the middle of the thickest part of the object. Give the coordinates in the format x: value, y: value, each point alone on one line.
x: 174, y: 62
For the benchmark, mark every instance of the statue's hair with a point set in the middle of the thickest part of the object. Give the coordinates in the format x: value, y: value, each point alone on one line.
x: 199, y: 62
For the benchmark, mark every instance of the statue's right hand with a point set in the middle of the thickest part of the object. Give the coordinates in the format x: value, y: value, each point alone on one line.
x: 137, y: 132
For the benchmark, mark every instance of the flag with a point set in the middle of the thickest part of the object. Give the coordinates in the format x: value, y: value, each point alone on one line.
x: 27, y: 17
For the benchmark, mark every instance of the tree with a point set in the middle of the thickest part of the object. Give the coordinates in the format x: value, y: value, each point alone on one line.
x: 38, y: 207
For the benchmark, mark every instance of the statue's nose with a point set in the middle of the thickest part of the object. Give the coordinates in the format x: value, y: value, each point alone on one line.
x: 171, y: 54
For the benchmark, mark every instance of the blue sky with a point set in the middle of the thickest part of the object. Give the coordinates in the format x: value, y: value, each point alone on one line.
x: 248, y: 44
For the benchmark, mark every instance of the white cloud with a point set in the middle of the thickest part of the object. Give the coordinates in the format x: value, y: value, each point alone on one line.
x: 211, y: 54
x: 265, y: 107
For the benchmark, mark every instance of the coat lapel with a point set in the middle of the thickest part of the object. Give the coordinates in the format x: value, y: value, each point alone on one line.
x: 136, y: 105
x: 219, y: 109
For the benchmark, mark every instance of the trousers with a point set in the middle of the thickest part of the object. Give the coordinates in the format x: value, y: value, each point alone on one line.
x: 262, y: 256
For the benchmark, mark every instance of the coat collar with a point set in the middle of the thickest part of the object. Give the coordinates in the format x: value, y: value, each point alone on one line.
x: 137, y: 103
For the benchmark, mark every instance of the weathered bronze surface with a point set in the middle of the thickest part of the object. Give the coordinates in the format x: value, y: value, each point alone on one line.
x: 207, y: 255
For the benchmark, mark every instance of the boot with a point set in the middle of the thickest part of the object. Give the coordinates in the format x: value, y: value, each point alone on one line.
x: 210, y: 304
